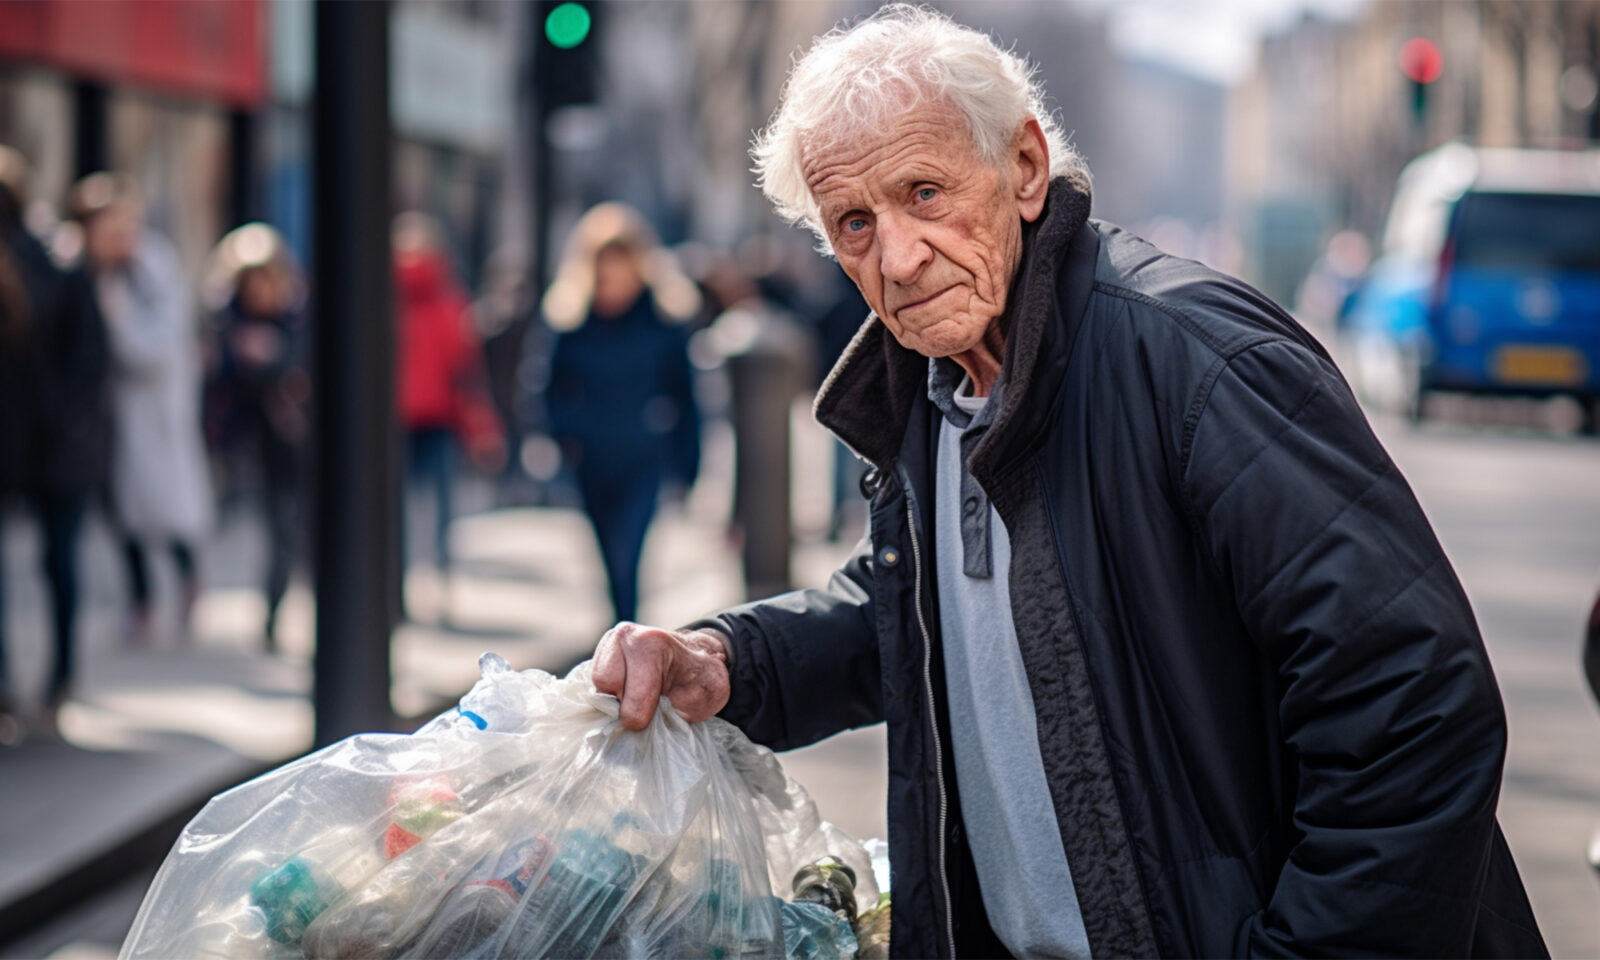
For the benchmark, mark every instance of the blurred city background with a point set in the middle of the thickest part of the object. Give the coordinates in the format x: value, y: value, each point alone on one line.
x: 280, y: 341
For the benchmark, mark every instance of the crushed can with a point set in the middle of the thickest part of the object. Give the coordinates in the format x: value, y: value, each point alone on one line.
x: 830, y: 883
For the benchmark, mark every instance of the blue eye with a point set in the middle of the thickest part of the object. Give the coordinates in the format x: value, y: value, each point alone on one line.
x: 927, y: 193
x: 856, y: 224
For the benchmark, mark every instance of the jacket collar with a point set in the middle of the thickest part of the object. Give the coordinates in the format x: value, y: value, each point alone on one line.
x: 868, y: 398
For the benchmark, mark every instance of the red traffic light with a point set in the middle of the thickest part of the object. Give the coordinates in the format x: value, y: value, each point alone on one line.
x: 1420, y: 60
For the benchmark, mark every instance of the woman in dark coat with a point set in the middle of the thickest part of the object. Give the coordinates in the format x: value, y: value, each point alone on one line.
x: 54, y: 431
x: 620, y: 396
x: 261, y: 383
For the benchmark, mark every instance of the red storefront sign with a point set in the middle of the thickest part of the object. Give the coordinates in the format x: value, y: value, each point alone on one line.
x: 208, y: 48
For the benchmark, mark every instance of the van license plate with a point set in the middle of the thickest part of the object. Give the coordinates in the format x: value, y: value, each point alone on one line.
x: 1545, y: 366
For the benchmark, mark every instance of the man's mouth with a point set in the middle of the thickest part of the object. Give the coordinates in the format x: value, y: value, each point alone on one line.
x: 924, y: 300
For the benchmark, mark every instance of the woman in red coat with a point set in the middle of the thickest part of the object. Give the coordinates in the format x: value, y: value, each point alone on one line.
x: 440, y: 389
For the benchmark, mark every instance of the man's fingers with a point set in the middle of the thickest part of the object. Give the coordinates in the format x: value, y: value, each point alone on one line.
x: 700, y: 691
x: 639, y: 665
x: 693, y: 704
x: 610, y: 670
x: 643, y: 689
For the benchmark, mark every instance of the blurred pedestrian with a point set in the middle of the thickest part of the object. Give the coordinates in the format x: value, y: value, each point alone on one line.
x: 502, y: 316
x: 261, y: 383
x: 160, y: 485
x: 621, y: 394
x: 1324, y: 297
x: 442, y: 390
x: 53, y: 421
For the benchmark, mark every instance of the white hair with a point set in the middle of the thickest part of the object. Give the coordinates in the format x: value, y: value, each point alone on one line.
x: 858, y: 78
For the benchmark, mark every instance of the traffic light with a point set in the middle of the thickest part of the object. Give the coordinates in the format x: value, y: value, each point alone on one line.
x: 567, y: 65
x: 567, y: 25
x: 1421, y: 62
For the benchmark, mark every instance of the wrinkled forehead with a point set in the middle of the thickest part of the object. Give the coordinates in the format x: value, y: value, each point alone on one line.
x: 875, y: 153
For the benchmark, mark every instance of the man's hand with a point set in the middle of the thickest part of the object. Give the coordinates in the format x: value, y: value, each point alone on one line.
x: 639, y: 665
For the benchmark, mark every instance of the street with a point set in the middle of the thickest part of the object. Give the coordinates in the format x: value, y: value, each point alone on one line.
x: 1519, y: 516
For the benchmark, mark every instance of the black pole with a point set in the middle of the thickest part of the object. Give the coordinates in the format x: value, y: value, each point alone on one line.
x: 543, y: 178
x: 243, y: 205
x: 91, y: 127
x: 766, y: 377
x: 356, y: 444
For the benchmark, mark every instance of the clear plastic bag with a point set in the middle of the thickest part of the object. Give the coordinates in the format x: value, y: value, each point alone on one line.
x: 525, y: 823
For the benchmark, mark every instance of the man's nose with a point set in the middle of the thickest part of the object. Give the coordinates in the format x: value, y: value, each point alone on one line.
x: 905, y: 251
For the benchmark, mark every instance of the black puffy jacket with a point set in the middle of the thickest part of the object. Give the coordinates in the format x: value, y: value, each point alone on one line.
x: 1265, y: 711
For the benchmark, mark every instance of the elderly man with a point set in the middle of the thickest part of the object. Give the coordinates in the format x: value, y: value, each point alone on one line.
x: 1170, y: 659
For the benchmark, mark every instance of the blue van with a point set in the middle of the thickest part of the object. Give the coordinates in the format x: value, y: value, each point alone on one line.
x: 1489, y: 280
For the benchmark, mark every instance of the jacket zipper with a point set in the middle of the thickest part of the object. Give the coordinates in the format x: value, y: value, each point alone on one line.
x: 933, y: 717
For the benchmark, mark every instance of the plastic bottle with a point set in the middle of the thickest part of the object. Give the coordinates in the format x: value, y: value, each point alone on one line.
x: 295, y: 893
x: 727, y: 922
x: 396, y: 906
x: 520, y: 863
x: 418, y: 809
x: 583, y: 892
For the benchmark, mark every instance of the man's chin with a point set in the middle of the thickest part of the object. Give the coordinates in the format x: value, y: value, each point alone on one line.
x: 931, y: 344
x: 940, y: 352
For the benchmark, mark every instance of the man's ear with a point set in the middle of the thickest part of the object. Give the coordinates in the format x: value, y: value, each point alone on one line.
x: 1030, y: 169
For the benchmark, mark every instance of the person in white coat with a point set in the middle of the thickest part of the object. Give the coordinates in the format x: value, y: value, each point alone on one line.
x: 160, y: 487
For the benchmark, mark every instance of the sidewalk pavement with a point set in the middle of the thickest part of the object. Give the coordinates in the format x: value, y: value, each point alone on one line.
x: 153, y: 732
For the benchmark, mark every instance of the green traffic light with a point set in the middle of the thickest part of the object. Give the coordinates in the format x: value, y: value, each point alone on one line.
x: 567, y: 25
